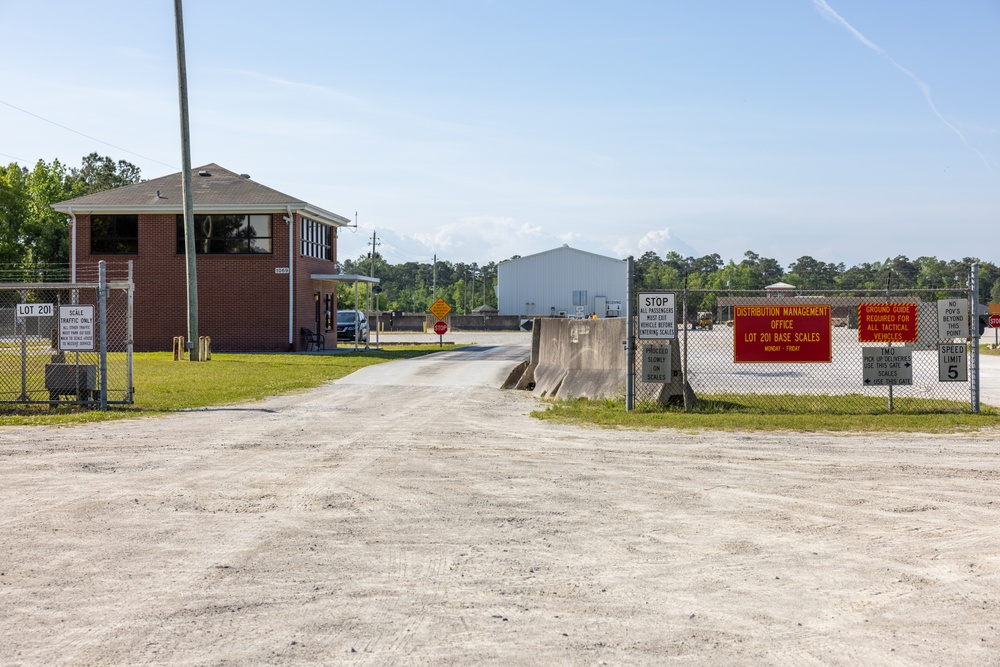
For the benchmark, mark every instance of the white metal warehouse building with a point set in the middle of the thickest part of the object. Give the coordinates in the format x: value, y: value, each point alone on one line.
x: 562, y: 281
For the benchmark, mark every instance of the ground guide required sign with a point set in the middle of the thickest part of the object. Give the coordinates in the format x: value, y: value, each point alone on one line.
x: 887, y: 322
x: 657, y: 316
x: 782, y: 334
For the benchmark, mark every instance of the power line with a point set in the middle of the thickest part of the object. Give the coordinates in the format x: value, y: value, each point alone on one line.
x: 14, y: 157
x: 69, y: 129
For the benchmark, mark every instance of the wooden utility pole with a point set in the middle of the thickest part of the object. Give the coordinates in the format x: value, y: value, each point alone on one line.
x: 189, y: 244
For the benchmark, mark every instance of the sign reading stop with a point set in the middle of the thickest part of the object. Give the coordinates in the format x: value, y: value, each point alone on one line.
x: 995, y: 321
x: 440, y: 328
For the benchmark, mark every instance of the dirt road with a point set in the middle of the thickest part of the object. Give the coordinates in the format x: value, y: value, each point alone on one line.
x: 392, y: 519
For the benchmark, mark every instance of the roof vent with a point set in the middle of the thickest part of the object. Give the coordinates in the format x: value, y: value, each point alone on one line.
x: 204, y: 173
x: 244, y: 175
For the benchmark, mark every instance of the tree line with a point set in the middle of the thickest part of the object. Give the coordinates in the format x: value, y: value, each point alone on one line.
x: 410, y: 287
x: 34, y: 237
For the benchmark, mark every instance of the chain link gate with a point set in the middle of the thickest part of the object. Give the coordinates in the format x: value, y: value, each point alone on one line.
x: 51, y: 348
x: 706, y: 357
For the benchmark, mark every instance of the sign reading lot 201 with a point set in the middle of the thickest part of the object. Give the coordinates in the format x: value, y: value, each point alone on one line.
x: 782, y: 334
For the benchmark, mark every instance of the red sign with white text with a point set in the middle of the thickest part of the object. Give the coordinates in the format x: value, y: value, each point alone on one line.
x: 782, y: 334
x: 440, y: 328
x: 887, y: 322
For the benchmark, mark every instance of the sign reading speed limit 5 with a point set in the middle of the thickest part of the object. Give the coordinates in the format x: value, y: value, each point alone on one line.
x: 953, y: 362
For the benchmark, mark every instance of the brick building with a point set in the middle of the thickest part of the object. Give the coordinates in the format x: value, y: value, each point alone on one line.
x: 262, y: 258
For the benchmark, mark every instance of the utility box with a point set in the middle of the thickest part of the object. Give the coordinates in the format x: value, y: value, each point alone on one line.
x: 78, y: 380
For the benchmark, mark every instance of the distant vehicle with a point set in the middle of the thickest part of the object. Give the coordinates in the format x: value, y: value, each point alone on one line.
x: 352, y: 325
x: 704, y: 320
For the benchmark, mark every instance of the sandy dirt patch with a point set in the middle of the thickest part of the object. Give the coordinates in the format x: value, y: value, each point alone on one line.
x: 385, y: 521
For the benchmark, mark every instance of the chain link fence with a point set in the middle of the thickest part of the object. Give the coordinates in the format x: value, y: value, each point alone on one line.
x: 725, y: 368
x: 51, y: 346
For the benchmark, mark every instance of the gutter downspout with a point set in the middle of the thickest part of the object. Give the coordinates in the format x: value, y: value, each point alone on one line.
x: 291, y: 275
x: 72, y: 244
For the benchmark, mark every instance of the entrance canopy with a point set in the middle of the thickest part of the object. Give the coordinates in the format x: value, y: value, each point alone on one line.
x: 344, y: 278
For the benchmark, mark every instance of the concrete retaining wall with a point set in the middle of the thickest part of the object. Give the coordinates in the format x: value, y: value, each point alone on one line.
x: 574, y: 358
x: 586, y: 358
x: 425, y: 322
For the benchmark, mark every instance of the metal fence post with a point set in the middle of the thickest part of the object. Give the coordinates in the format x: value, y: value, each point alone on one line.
x: 130, y: 389
x: 888, y: 299
x: 24, y: 352
x: 684, y: 365
x: 102, y: 309
x: 974, y: 323
x: 629, y: 333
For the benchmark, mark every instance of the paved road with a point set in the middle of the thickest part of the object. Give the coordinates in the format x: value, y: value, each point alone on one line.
x: 476, y: 365
x: 989, y: 383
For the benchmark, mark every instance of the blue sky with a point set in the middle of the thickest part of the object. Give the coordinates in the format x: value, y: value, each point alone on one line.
x: 847, y: 130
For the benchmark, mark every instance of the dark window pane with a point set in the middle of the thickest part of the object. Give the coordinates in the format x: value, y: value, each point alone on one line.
x: 114, y: 234
x: 228, y: 234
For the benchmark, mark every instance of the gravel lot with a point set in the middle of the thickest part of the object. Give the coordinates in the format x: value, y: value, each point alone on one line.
x: 413, y: 513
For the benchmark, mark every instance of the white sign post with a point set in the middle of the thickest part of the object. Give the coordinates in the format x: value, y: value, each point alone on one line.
x: 76, y: 328
x: 656, y: 364
x: 887, y: 366
x: 953, y: 318
x: 953, y: 362
x: 657, y: 316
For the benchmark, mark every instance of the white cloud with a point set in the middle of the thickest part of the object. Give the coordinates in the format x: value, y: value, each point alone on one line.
x: 479, y: 239
x: 660, y: 241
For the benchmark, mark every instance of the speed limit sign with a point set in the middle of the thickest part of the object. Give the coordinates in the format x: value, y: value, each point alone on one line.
x: 953, y: 362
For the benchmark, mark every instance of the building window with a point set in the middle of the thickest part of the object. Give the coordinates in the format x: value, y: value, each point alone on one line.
x: 218, y: 234
x: 114, y: 234
x: 580, y: 297
x: 317, y: 239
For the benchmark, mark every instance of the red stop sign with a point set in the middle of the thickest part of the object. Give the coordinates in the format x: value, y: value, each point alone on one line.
x: 995, y: 321
x: 440, y: 328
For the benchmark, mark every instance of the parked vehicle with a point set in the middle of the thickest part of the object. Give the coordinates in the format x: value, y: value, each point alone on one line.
x: 704, y: 320
x: 352, y: 325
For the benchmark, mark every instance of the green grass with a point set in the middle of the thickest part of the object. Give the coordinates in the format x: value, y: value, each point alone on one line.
x: 984, y: 349
x: 163, y: 385
x: 779, y: 413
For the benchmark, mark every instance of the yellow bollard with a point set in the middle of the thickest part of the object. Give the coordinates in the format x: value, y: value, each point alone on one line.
x: 178, y: 348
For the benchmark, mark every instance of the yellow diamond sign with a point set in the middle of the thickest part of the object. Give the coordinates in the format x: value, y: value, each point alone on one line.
x: 440, y: 309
